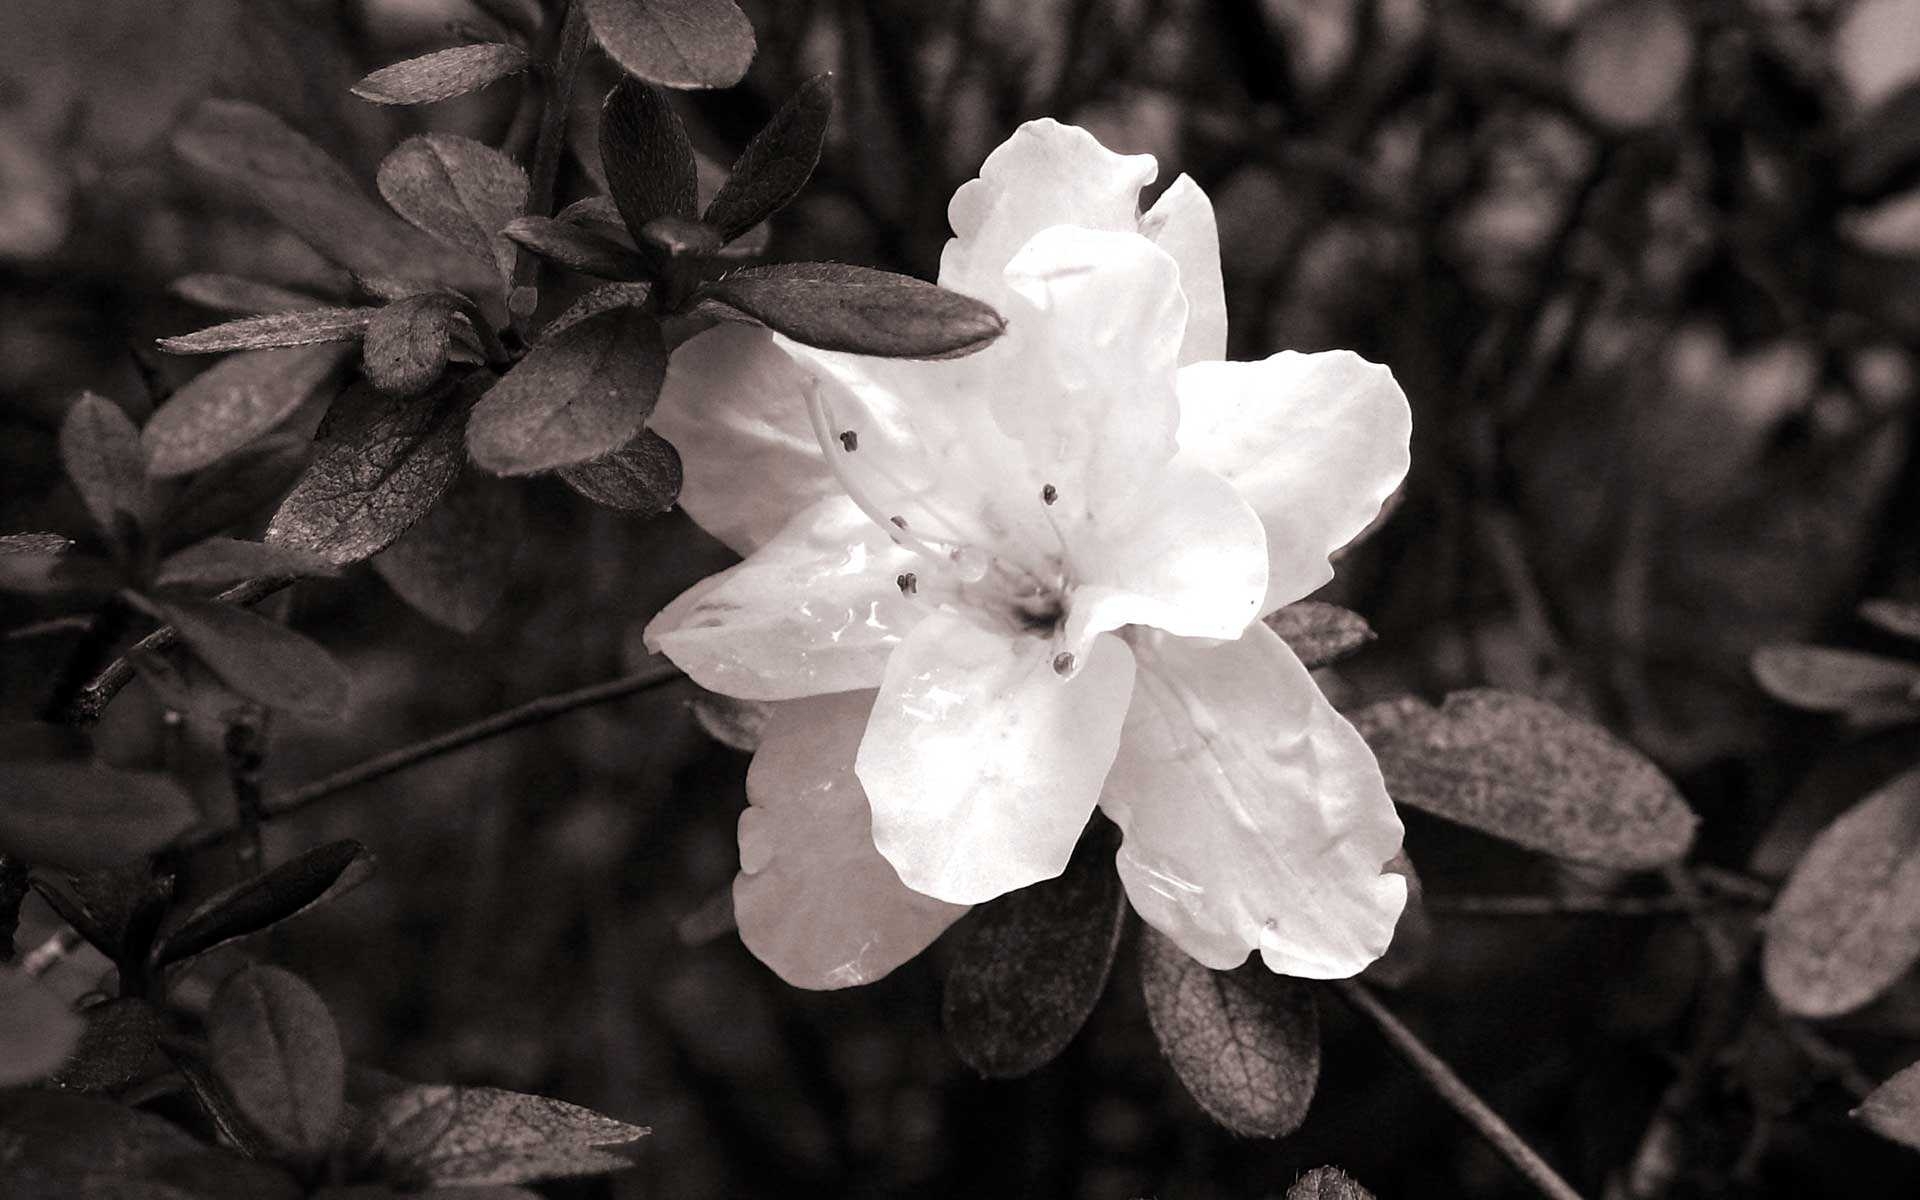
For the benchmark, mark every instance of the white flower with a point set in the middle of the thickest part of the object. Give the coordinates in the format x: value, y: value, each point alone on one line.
x: 997, y: 590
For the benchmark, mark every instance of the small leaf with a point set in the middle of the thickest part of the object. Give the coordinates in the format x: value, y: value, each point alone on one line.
x: 604, y: 298
x: 1847, y: 924
x: 1866, y: 687
x: 1327, y: 1183
x: 263, y: 901
x: 453, y: 566
x: 461, y: 191
x: 1901, y: 618
x: 1319, y: 633
x: 1629, y: 60
x: 734, y: 723
x: 1892, y: 1110
x: 464, y: 1137
x: 306, y: 327
x: 274, y: 1046
x: 642, y: 476
x: 222, y: 560
x: 377, y: 468
x: 1030, y: 966
x: 678, y: 43
x: 38, y: 1031
x: 1523, y: 770
x: 228, y: 406
x: 650, y: 165
x: 408, y: 342
x: 101, y: 451
x: 443, y: 74
x: 857, y: 309
x: 1246, y: 1042
x: 121, y: 1035
x: 79, y: 814
x: 234, y: 489
x: 576, y: 247
x: 777, y: 163
x: 260, y: 659
x: 575, y: 397
x: 242, y: 297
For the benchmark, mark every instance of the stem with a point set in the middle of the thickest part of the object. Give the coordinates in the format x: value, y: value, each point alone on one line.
x: 1565, y: 906
x: 1461, y: 1098
x: 562, y: 75
x: 246, y: 760
x: 89, y: 656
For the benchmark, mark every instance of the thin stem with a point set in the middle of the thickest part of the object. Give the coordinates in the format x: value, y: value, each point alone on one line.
x: 562, y: 74
x: 1458, y: 1096
x: 92, y: 653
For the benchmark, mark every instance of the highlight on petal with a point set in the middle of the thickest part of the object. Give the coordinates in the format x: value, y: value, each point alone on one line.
x: 814, y: 899
x: 1046, y: 174
x: 815, y: 610
x: 1181, y: 223
x: 1315, y: 443
x: 1255, y: 816
x: 982, y: 762
x: 734, y: 406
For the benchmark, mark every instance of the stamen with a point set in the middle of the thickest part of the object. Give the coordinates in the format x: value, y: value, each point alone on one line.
x: 850, y: 441
x: 1063, y: 663
x: 908, y: 583
x: 822, y: 422
x: 901, y: 522
x: 1049, y: 494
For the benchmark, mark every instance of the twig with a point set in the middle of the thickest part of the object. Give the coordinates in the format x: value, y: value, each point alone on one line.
x: 551, y: 140
x: 92, y: 653
x: 1458, y: 1096
x: 1560, y: 906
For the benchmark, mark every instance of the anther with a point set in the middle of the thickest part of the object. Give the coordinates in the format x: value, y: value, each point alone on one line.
x: 1063, y: 663
x: 900, y: 522
x: 908, y: 583
x: 850, y: 441
x: 1049, y: 494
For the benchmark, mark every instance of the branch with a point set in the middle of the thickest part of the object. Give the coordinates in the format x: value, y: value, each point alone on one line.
x: 1459, y: 1097
x: 551, y: 140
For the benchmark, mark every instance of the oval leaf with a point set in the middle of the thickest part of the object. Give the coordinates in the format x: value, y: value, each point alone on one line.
x: 461, y: 191
x: 575, y: 397
x: 1246, y: 1042
x: 274, y: 1046
x: 1866, y: 687
x: 235, y: 489
x: 443, y: 74
x: 224, y: 408
x: 1525, y: 771
x: 1901, y: 618
x: 857, y: 309
x: 453, y: 566
x: 228, y: 560
x: 679, y: 43
x: 651, y: 171
x: 100, y: 449
x: 305, y: 327
x: 260, y: 659
x: 1319, y: 633
x: 642, y: 476
x: 576, y: 248
x: 38, y: 1031
x: 408, y: 341
x: 1327, y: 1183
x: 1892, y: 1110
x: 475, y: 1137
x: 1847, y: 924
x: 777, y: 163
x: 80, y: 815
x: 266, y: 900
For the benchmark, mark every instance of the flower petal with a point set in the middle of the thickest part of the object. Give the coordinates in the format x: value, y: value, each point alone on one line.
x: 735, y: 409
x: 1315, y: 443
x: 981, y: 762
x: 1181, y: 223
x: 815, y: 610
x: 1046, y: 174
x: 1255, y: 816
x: 814, y: 899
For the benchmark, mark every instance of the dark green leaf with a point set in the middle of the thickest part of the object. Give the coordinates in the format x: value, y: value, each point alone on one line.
x: 665, y: 238
x: 1319, y: 633
x: 1327, y: 1183
x: 234, y: 489
x: 378, y: 467
x: 642, y: 476
x: 473, y: 1137
x: 461, y: 191
x: 1246, y: 1042
x: 80, y: 814
x: 839, y: 307
x: 120, y: 1037
x: 1847, y: 924
x: 408, y: 341
x: 220, y: 560
x: 264, y: 661
x: 38, y: 1031
x: 454, y: 565
x: 306, y: 327
x: 274, y: 1046
x: 577, y: 396
x: 1881, y: 154
x: 1030, y: 966
x: 443, y: 74
x: 116, y: 908
x: 242, y: 297
x: 1523, y: 770
x: 226, y: 407
x: 1892, y: 1110
x: 1866, y: 687
x: 46, y: 564
x: 649, y: 160
x: 777, y: 163
x: 679, y: 43
x: 101, y: 450
x: 576, y: 247
x: 605, y: 298
x: 35, y: 544
x: 266, y: 900
x: 64, y: 1134
x: 1901, y: 618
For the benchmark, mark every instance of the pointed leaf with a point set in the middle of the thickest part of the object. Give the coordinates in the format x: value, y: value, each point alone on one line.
x: 679, y: 43
x: 576, y: 247
x: 1901, y: 618
x: 461, y: 191
x: 38, y: 1031
x: 1847, y: 924
x: 264, y: 901
x: 101, y: 451
x: 443, y: 74
x: 605, y: 298
x: 242, y: 297
x: 1319, y: 633
x: 649, y: 159
x: 642, y: 476
x: 234, y: 489
x: 455, y: 564
x: 274, y: 1046
x: 777, y: 163
x: 264, y: 661
x: 666, y: 238
x: 1030, y: 966
x: 474, y: 1137
x: 79, y: 814
x: 305, y: 327
x: 839, y: 307
x: 1866, y: 687
x: 1327, y: 1183
x: 1523, y: 770
x: 224, y: 408
x: 116, y: 908
x: 1246, y: 1042
x: 1892, y: 1110
x: 575, y: 397
x: 222, y: 560
x: 408, y: 342
x: 378, y: 467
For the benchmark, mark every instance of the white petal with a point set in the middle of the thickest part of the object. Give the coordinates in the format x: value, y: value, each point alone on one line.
x: 1315, y: 442
x: 1045, y: 174
x: 817, y: 609
x: 1255, y: 816
x: 1181, y: 223
x: 814, y: 899
x: 982, y: 763
x: 734, y: 407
